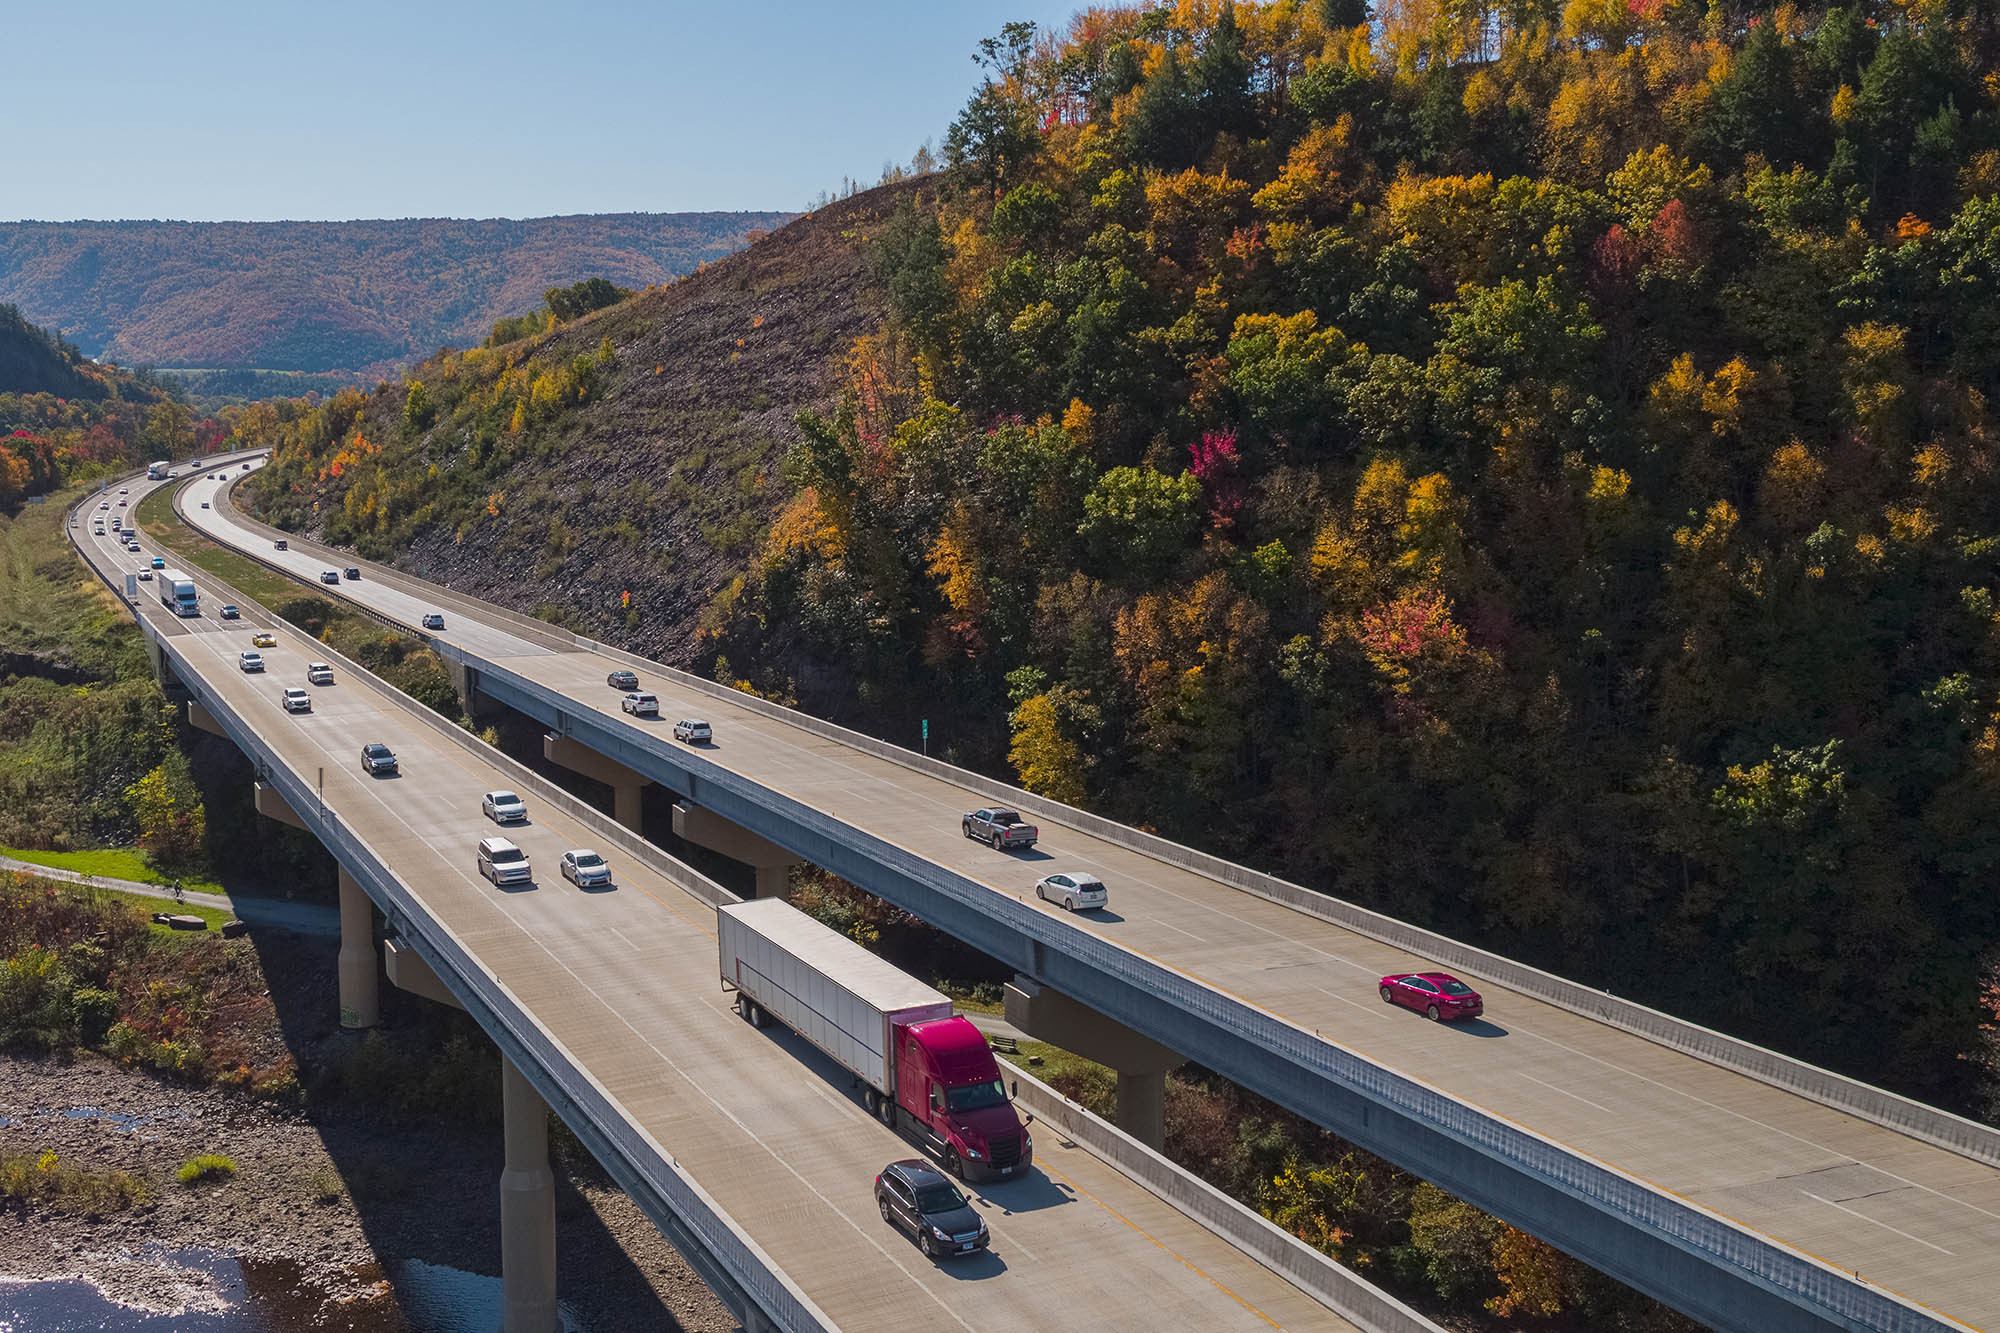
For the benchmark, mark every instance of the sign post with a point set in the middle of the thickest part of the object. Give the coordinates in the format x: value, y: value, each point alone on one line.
x: 927, y: 738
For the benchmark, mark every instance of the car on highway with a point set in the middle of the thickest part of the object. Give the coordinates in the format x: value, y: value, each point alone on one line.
x: 145, y: 576
x: 159, y: 563
x: 584, y: 867
x: 104, y: 504
x: 281, y: 545
x: 319, y: 673
x: 122, y: 503
x: 263, y: 640
x: 204, y: 504
x: 1002, y: 830
x: 124, y: 490
x: 378, y: 758
x: 133, y: 547
x: 623, y: 680
x: 297, y: 701
x: 640, y: 705
x: 502, y: 862
x: 250, y: 662
x: 1438, y: 996
x: 433, y: 620
x: 693, y: 731
x: 503, y: 807
x: 914, y: 1196
x: 329, y: 576
x: 351, y: 573
x: 228, y: 611
x: 1072, y: 890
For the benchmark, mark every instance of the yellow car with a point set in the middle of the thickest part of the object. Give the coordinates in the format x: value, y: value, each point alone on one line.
x: 264, y: 640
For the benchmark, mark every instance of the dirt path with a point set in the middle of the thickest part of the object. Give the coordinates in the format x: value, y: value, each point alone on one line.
x: 344, y: 1200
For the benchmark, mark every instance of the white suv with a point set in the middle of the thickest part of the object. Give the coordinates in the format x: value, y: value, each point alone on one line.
x: 504, y: 863
x: 692, y: 731
x: 640, y: 705
x: 297, y: 701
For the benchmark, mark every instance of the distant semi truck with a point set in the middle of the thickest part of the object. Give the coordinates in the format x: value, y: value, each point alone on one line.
x: 159, y: 471
x: 177, y: 593
x: 923, y: 1069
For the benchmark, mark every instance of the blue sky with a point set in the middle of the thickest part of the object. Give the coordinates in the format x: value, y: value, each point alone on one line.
x: 363, y: 109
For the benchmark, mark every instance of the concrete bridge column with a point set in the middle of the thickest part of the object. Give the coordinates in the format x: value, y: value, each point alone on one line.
x: 527, y: 1210
x: 627, y: 787
x: 1140, y: 1062
x: 705, y: 828
x: 360, y: 997
x: 466, y: 681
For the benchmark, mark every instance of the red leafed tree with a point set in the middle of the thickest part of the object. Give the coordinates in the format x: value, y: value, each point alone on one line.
x: 1215, y: 463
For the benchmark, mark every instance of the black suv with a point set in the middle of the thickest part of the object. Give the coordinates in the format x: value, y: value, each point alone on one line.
x: 623, y: 680
x: 915, y: 1196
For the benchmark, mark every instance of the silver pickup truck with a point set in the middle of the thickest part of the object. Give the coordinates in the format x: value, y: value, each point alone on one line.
x: 1003, y: 830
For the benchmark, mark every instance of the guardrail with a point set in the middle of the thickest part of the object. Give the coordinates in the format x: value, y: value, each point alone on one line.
x: 1619, y: 1194
x: 1891, y: 1110
x: 1306, y: 1268
x: 1616, y: 1193
x: 645, y: 1166
x: 1316, y: 1274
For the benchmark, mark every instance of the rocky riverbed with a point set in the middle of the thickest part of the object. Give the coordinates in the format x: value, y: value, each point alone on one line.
x: 343, y: 1208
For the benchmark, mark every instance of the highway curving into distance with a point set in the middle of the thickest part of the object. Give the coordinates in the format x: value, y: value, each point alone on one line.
x: 1919, y: 1221
x: 626, y: 981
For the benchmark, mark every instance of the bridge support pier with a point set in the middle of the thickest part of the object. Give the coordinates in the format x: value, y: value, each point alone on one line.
x: 202, y: 720
x: 272, y: 805
x: 466, y: 681
x: 408, y: 971
x: 360, y: 996
x: 1140, y: 1062
x: 527, y: 1210
x: 627, y: 788
x: 705, y: 828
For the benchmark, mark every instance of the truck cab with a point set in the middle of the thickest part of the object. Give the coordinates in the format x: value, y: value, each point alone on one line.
x: 948, y: 1083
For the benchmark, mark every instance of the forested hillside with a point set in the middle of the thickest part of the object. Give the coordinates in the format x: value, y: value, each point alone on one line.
x: 318, y: 296
x: 613, y: 470
x: 1527, y: 469
x: 62, y: 416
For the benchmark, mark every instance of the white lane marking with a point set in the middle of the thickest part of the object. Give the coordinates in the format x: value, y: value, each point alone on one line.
x: 1884, y: 1225
x: 669, y: 1061
x: 1565, y: 1092
x: 1373, y: 1011
x: 623, y: 936
x: 1155, y: 921
x: 1841, y: 1157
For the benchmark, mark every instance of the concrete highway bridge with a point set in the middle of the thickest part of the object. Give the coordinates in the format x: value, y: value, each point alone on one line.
x: 1749, y: 1190
x: 749, y: 1149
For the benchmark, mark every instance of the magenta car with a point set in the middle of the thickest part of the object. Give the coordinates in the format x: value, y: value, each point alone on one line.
x: 1438, y: 996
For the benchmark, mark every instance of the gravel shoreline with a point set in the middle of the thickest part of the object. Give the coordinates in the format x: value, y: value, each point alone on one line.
x: 427, y: 1193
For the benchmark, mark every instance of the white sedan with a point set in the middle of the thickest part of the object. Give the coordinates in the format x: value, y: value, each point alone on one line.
x: 584, y: 868
x: 1072, y: 891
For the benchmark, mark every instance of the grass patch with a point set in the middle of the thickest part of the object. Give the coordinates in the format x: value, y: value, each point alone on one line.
x: 326, y: 1185
x: 53, y: 607
x: 158, y: 521
x: 206, y: 1166
x: 111, y: 863
x: 49, y: 1181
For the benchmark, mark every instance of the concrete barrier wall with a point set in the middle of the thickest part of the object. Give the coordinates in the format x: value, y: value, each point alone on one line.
x: 1306, y: 1268
x: 646, y: 1169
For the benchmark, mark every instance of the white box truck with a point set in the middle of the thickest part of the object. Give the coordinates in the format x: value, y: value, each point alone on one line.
x: 921, y: 1067
x: 177, y: 593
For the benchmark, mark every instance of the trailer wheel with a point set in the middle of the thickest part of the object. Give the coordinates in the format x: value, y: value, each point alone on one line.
x: 752, y: 1013
x: 872, y: 1100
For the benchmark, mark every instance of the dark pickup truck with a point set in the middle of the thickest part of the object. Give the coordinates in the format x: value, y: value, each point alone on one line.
x: 1003, y: 830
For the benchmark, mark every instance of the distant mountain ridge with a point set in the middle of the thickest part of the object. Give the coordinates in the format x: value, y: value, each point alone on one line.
x: 323, y: 296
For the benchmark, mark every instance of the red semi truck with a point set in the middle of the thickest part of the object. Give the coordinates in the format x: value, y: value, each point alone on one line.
x: 922, y: 1069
